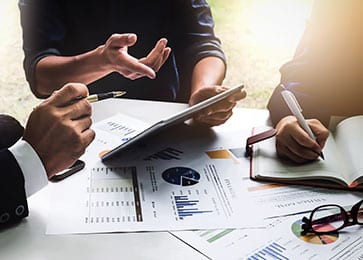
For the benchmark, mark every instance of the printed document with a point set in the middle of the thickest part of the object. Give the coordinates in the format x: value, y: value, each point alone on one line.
x: 190, y: 182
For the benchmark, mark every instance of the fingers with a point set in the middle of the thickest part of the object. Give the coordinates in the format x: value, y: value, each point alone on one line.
x: 218, y: 113
x: 158, y: 50
x: 135, y: 69
x: 118, y: 59
x: 285, y: 153
x: 122, y: 40
x: 74, y: 110
x: 293, y: 143
x: 213, y: 120
x: 87, y: 137
x: 320, y: 131
x: 68, y: 94
x: 117, y: 56
x: 166, y: 55
x: 239, y: 95
x: 82, y: 124
x: 59, y: 128
x: 210, y: 91
x: 158, y: 55
x: 297, y: 148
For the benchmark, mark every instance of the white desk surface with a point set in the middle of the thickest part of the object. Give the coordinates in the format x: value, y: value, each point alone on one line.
x: 27, y: 240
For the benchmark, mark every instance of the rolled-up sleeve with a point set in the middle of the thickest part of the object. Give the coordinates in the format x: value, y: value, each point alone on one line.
x: 194, y: 32
x: 42, y: 34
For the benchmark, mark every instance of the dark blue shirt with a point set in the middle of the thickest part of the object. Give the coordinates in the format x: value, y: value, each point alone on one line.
x: 67, y: 28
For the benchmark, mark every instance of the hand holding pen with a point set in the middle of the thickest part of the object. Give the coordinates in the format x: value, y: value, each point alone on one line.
x: 79, y: 164
x: 298, y: 139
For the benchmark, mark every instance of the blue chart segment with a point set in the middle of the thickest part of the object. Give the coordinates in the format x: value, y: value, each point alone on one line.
x: 187, y: 208
x: 181, y: 176
x: 272, y: 251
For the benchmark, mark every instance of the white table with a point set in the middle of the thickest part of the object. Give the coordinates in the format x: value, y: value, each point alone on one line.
x: 28, y: 240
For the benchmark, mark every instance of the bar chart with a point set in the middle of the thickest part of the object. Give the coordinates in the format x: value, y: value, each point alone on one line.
x: 272, y: 251
x: 187, y: 207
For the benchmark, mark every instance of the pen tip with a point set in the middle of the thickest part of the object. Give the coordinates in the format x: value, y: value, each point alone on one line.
x: 322, y: 156
x: 119, y: 93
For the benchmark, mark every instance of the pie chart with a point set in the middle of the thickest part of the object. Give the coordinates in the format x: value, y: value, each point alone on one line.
x: 182, y: 176
x: 313, y: 238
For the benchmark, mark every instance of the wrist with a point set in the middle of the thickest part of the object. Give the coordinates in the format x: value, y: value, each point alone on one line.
x: 103, y: 61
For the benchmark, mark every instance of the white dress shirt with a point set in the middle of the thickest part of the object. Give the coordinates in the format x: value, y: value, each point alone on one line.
x: 30, y: 164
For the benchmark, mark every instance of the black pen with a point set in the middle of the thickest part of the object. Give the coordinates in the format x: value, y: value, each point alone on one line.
x: 101, y: 96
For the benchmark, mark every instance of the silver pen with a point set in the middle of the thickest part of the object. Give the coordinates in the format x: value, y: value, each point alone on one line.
x: 296, y: 110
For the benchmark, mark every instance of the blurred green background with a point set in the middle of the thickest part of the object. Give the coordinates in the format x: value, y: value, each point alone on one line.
x: 258, y: 36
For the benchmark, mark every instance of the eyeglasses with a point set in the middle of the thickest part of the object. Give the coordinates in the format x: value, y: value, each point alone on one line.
x: 331, y: 218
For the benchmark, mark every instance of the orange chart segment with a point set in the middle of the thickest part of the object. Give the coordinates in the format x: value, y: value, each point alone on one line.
x: 312, y: 238
x: 222, y: 154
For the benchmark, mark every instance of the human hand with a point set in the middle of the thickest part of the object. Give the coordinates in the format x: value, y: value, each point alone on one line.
x: 218, y: 113
x: 293, y: 143
x: 117, y: 58
x: 157, y: 56
x: 59, y: 128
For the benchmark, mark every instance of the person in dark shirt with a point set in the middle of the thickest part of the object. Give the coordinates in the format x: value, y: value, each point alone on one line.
x: 89, y: 42
x: 56, y: 134
x: 326, y: 76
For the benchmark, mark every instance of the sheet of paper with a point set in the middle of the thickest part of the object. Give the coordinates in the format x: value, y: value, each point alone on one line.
x: 281, y: 239
x: 177, y: 185
x: 281, y: 200
x: 111, y: 132
x: 273, y: 202
x: 184, y: 179
x: 349, y: 139
x: 266, y: 162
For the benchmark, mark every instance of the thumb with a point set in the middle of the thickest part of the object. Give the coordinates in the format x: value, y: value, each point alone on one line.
x: 320, y: 132
x: 122, y: 40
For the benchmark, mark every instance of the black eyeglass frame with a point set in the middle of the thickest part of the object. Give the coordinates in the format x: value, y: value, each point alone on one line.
x: 347, y: 215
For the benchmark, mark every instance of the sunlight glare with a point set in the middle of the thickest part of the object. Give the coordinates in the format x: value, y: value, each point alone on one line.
x: 278, y: 23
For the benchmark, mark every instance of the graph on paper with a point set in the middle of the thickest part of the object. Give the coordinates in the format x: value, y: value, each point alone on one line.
x: 188, y: 207
x: 273, y: 251
x: 116, y: 126
x: 182, y: 176
x: 175, y: 189
x: 113, y: 196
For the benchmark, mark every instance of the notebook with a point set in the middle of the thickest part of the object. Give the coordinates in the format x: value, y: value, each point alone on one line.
x: 341, y: 169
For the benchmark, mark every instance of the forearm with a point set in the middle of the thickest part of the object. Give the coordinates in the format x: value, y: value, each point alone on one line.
x: 277, y: 106
x: 209, y: 71
x: 52, y: 72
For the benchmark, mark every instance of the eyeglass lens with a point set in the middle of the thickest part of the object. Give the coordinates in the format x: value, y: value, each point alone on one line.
x: 328, y: 219
x: 360, y: 214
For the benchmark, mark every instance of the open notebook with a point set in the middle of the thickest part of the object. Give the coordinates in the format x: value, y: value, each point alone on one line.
x: 167, y: 122
x: 341, y: 169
